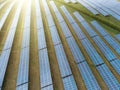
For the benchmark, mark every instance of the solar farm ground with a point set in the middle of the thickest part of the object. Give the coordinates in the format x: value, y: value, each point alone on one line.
x: 41, y: 49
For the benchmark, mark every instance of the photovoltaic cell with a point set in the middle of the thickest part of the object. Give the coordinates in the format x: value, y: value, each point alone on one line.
x: 55, y: 37
x: 118, y: 37
x: 23, y: 67
x: 65, y: 29
x: 78, y: 31
x: 7, y: 49
x: 112, y: 42
x: 69, y: 83
x: 67, y: 14
x: 22, y: 87
x: 88, y: 77
x: 62, y: 61
x: 104, y: 48
x: 116, y: 65
x: 95, y: 57
x: 99, y: 28
x: 45, y: 73
x: 92, y: 10
x: 48, y: 88
x: 41, y: 39
x: 108, y: 77
x: 75, y: 50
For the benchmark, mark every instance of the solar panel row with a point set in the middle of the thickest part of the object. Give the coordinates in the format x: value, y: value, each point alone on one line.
x: 102, y: 46
x: 111, y: 7
x: 69, y: 83
x: 23, y: 87
x: 62, y: 61
x: 60, y: 54
x: 97, y: 8
x: 23, y: 70
x: 45, y: 73
x: 2, y: 21
x: 78, y: 56
x: 109, y: 55
x: 118, y: 37
x: 8, y: 44
x: 91, y: 51
x: 108, y: 77
x: 112, y: 42
x: 97, y: 59
x: 75, y: 51
x: 92, y: 10
x: 116, y: 65
x: 88, y: 77
x: 100, y: 5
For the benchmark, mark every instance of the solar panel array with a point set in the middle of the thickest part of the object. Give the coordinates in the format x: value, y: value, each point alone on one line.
x: 110, y: 56
x: 118, y: 37
x: 4, y: 58
x: 23, y: 71
x: 95, y: 57
x: 92, y: 47
x: 59, y: 51
x: 100, y: 7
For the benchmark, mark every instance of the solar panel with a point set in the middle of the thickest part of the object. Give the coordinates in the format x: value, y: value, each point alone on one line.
x: 112, y: 42
x: 88, y: 77
x: 55, y: 37
x: 92, y: 10
x: 50, y: 20
x: 2, y: 21
x: 99, y: 28
x: 78, y: 56
x: 45, y: 73
x: 23, y: 69
x: 7, y: 49
x: 65, y: 29
x: 53, y: 6
x: 62, y: 61
x: 88, y: 29
x: 95, y: 57
x: 104, y: 48
x: 41, y: 39
x: 48, y: 88
x: 79, y: 17
x: 108, y: 77
x: 78, y: 31
x: 118, y: 37
x: 97, y: 8
x: 23, y: 87
x: 111, y: 12
x: 67, y: 14
x: 69, y: 83
x: 3, y: 64
x: 116, y: 65
x: 85, y: 25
